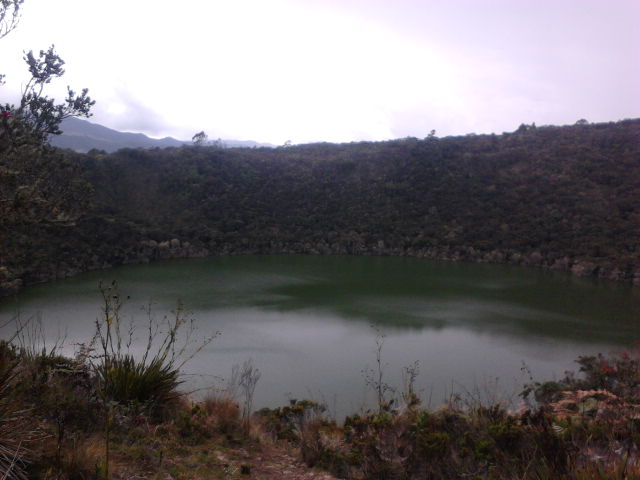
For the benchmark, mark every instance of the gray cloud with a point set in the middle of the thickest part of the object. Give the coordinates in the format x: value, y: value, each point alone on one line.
x: 131, y: 115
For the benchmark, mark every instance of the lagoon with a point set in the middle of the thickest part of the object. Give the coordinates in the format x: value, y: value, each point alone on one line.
x: 310, y: 323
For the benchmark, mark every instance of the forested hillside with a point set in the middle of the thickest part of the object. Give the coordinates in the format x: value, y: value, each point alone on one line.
x: 557, y: 197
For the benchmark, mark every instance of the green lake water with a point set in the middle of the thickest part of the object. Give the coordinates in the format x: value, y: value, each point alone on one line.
x: 309, y: 323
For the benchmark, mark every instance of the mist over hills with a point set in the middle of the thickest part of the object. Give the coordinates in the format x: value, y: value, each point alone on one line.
x: 83, y: 136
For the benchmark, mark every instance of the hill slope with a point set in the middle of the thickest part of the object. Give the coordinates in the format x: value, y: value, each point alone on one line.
x: 564, y: 198
x: 83, y: 136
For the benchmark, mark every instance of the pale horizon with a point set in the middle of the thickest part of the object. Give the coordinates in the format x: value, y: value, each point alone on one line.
x: 337, y: 71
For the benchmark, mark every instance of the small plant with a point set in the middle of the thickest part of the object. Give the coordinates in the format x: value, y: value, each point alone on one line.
x: 31, y: 342
x: 409, y: 396
x: 374, y: 379
x: 289, y: 423
x: 244, y: 379
x: 248, y: 379
x: 223, y: 412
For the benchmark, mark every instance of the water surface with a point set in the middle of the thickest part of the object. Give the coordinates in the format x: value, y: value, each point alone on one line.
x: 309, y: 323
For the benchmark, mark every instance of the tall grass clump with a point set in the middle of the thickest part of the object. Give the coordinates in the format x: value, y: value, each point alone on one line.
x: 31, y: 342
x: 16, y: 426
x: 135, y: 383
x: 150, y: 380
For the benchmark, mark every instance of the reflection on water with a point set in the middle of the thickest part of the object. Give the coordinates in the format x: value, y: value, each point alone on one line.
x: 306, y: 321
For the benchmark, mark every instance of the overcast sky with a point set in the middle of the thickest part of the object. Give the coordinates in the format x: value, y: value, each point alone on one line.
x: 337, y: 70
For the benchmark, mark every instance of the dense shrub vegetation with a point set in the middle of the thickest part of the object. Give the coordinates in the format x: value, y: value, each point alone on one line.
x: 588, y: 427
x: 557, y: 197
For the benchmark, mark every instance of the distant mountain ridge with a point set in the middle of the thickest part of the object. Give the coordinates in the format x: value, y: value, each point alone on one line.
x: 82, y: 136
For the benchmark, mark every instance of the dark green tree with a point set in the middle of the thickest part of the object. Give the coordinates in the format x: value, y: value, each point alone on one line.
x: 39, y: 115
x: 36, y: 181
x: 199, y: 138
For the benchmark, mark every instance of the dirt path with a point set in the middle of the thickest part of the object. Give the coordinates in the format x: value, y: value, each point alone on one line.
x: 284, y: 467
x: 272, y: 463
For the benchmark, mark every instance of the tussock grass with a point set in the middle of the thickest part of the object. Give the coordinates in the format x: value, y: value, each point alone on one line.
x: 151, y: 386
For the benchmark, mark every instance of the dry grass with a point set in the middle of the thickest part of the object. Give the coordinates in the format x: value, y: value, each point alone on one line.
x: 18, y: 430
